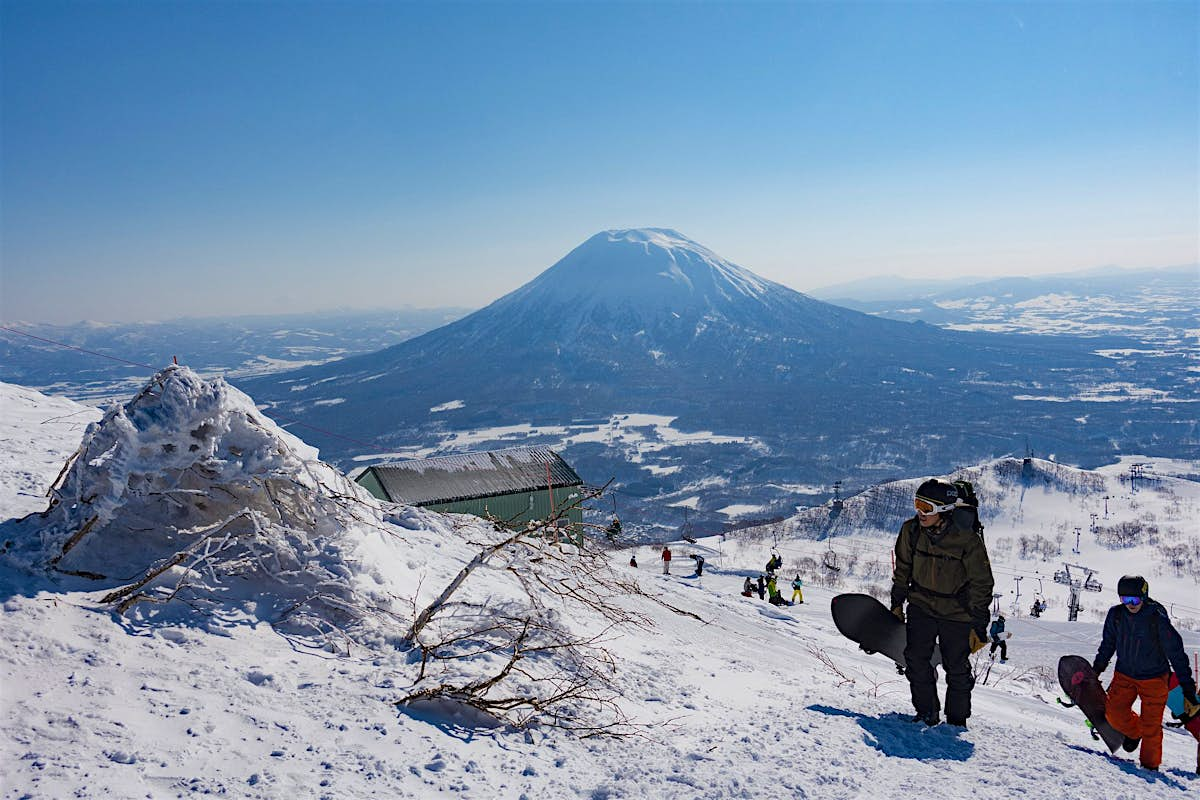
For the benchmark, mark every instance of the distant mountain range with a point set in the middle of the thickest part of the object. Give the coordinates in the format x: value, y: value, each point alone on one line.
x: 692, y: 381
x: 236, y: 346
x: 1154, y: 306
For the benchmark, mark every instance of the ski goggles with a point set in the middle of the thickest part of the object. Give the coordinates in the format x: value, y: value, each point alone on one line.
x: 927, y: 507
x: 1131, y: 600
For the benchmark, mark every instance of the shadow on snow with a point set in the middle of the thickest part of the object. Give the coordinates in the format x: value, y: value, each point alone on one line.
x: 1129, y: 768
x: 896, y: 736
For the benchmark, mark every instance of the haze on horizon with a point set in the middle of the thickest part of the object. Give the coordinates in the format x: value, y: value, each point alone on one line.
x: 199, y: 159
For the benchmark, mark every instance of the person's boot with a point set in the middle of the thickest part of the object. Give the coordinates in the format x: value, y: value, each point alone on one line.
x: 957, y: 723
x: 930, y: 718
x: 1130, y: 744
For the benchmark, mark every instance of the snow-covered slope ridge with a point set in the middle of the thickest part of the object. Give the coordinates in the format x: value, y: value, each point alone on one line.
x: 34, y: 430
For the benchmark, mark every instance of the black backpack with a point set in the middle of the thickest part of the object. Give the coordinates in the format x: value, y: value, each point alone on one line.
x: 966, y: 514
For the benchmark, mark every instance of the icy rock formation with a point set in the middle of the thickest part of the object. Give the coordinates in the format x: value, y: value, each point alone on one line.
x: 187, y: 493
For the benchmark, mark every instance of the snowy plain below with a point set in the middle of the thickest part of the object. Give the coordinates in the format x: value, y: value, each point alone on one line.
x: 733, y: 699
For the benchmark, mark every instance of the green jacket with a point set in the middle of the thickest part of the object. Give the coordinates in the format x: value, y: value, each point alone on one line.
x: 947, y: 574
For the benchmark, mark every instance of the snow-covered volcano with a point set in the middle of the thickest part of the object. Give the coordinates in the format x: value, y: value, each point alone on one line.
x: 647, y: 321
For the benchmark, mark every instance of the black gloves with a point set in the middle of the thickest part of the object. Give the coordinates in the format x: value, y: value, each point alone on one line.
x: 979, y: 625
x: 899, y: 595
x: 1099, y: 666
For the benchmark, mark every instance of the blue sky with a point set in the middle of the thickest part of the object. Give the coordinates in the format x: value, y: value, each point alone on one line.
x: 162, y: 159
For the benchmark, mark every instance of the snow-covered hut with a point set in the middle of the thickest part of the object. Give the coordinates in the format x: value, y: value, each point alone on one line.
x: 513, y: 485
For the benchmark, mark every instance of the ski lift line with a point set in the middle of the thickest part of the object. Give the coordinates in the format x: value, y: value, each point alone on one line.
x: 78, y: 349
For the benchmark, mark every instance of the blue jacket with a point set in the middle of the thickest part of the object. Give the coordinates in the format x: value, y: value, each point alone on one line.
x: 996, y: 629
x: 1145, y: 643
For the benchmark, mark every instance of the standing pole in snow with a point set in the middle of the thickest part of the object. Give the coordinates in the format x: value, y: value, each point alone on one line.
x: 1017, y: 601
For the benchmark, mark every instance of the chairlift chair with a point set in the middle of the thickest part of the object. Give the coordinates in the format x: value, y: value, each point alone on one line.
x: 830, y: 561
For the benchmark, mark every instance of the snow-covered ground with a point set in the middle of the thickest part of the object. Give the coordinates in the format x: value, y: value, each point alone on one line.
x: 730, y: 697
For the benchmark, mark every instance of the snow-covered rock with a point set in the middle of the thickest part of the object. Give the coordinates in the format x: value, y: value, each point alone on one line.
x: 187, y: 499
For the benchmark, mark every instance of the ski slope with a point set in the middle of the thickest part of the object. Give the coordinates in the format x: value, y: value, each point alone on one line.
x: 732, y: 699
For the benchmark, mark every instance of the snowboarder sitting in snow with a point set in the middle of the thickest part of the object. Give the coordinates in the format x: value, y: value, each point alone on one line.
x: 775, y: 598
x: 1147, y: 645
x: 797, y: 584
x: 747, y: 588
x: 997, y: 634
x: 633, y: 560
x: 942, y: 571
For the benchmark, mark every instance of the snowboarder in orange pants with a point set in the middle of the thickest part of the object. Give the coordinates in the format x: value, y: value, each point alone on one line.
x: 1147, y: 725
x: 1146, y: 644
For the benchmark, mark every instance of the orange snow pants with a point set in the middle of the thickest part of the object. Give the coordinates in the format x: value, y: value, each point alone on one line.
x: 1147, y: 725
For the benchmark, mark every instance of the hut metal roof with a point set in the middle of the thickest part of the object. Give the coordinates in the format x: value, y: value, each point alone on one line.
x: 468, y: 476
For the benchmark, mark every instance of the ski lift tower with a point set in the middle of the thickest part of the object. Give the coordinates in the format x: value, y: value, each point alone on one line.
x: 1136, y: 471
x: 837, y: 496
x: 1083, y: 579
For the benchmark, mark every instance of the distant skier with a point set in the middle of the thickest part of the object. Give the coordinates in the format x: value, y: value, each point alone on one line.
x: 942, y: 571
x: 699, y: 564
x: 1038, y: 607
x: 633, y: 560
x: 797, y: 585
x: 998, y: 639
x: 1147, y: 646
x: 666, y: 559
x: 747, y: 588
x: 762, y: 588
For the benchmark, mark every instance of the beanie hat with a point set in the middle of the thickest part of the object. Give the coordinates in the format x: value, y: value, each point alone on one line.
x: 939, y: 493
x: 1133, y: 586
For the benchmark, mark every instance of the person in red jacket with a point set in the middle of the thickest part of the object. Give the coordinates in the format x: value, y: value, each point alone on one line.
x: 666, y: 559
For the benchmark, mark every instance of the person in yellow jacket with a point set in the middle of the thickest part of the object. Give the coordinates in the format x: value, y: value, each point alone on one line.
x: 943, y: 573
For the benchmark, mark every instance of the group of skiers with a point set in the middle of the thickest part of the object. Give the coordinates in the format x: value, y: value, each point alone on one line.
x: 767, y: 588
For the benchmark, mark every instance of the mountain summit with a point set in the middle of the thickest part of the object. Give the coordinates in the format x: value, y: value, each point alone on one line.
x: 655, y: 264
x: 647, y: 321
x: 652, y: 289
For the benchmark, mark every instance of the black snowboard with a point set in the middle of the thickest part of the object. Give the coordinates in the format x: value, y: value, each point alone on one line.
x: 863, y: 619
x: 1082, y: 685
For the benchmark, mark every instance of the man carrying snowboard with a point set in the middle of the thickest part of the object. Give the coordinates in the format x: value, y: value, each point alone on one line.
x: 943, y: 572
x: 1147, y: 645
